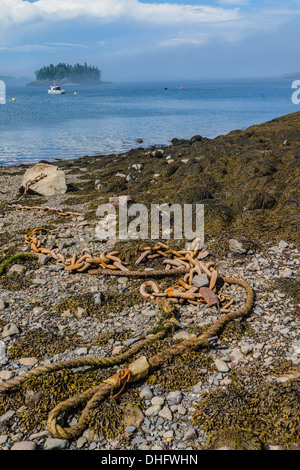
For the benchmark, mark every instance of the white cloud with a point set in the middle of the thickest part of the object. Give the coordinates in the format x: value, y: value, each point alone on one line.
x: 19, y: 11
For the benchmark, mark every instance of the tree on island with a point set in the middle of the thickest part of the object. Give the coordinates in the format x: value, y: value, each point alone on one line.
x: 75, y: 72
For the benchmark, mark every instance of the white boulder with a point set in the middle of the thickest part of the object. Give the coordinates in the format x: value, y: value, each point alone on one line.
x: 46, y: 180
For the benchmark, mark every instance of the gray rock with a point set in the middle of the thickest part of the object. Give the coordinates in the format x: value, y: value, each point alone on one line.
x: 3, y: 304
x: 235, y: 246
x: 10, y: 329
x: 246, y: 348
x: 146, y: 393
x: 221, y: 366
x: 174, y: 398
x: 190, y: 435
x: 282, y: 244
x: 3, y: 439
x: 201, y: 280
x: 152, y: 410
x: 44, y: 259
x: 55, y: 444
x: 3, y: 356
x: 81, y: 313
x: 165, y: 413
x: 6, y: 417
x: 24, y: 445
x: 157, y: 401
x: 17, y: 269
x: 287, y: 272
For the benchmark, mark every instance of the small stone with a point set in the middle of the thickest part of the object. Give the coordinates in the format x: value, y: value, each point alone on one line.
x: 152, y: 410
x: 81, y: 351
x: 17, y: 268
x: 3, y: 439
x: 24, y: 445
x: 44, y: 259
x: 190, y: 435
x: 10, y: 329
x: 138, y: 166
x: 165, y: 413
x: 201, y: 280
x: 3, y: 356
x: 6, y: 417
x: 32, y: 397
x: 168, y: 434
x: 3, y: 304
x: 55, y: 444
x: 117, y: 350
x: 221, y: 366
x: 287, y: 272
x: 181, y: 409
x: 28, y: 361
x: 235, y: 246
x: 182, y: 335
x: 157, y: 401
x: 283, y: 244
x: 146, y: 393
x: 81, y: 313
x: 174, y: 398
x: 129, y: 177
x: 80, y: 442
x: 120, y: 200
x: 246, y: 349
x: 6, y: 374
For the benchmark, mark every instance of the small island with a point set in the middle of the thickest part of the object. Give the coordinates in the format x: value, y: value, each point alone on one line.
x: 67, y: 74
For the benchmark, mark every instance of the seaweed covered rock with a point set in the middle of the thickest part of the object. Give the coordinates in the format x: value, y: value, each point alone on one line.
x: 254, y: 199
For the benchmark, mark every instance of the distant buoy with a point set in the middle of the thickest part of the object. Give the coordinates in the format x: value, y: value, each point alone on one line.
x: 75, y: 93
x: 13, y: 99
x: 181, y: 88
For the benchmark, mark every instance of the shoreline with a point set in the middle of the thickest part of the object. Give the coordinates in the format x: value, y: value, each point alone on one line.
x: 247, y: 181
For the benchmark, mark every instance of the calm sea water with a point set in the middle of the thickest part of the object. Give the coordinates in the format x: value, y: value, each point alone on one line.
x: 109, y: 118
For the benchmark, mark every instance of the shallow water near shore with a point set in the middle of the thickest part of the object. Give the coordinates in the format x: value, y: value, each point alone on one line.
x: 110, y: 118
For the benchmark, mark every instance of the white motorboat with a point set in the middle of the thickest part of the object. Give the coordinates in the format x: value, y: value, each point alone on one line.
x: 55, y: 90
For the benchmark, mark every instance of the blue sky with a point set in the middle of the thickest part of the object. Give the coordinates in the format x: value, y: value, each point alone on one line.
x: 149, y: 39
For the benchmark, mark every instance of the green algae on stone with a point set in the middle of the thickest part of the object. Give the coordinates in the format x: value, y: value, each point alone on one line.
x: 15, y: 282
x: 235, y: 330
x: 113, y: 302
x: 51, y: 389
x: 290, y: 287
x: 40, y: 343
x: 269, y: 413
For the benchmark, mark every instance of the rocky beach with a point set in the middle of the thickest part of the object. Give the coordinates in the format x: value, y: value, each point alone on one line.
x: 242, y: 392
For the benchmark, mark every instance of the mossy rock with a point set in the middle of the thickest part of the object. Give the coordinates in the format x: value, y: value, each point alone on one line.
x: 40, y: 343
x: 262, y: 412
x: 254, y: 199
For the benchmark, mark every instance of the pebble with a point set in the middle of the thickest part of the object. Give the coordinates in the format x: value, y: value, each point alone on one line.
x: 222, y: 366
x: 24, y: 445
x: 55, y: 444
x: 174, y: 398
x: 10, y: 329
x: 16, y: 269
x: 152, y: 410
x: 157, y: 401
x: 200, y: 280
x: 146, y: 393
x: 165, y: 413
x: 3, y: 304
